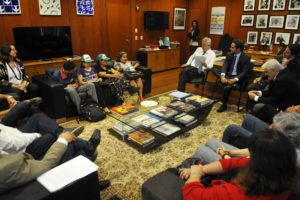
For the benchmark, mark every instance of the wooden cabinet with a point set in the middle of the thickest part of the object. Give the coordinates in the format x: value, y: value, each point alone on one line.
x: 159, y: 60
x: 33, y: 68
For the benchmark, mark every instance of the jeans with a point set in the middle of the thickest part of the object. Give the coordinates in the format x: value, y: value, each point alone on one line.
x: 250, y: 124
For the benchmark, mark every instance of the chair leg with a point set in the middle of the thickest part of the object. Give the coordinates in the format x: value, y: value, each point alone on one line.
x: 213, y: 90
x: 239, y: 102
x: 203, y: 86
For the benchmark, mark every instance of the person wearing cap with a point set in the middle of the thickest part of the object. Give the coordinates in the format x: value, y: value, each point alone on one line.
x: 87, y: 74
x: 123, y: 65
x: 111, y: 76
x: 68, y: 77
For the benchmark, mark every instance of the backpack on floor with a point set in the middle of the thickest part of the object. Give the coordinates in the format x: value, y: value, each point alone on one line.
x: 91, y: 111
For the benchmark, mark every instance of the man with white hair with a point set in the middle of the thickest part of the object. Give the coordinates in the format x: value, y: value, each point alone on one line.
x: 283, y: 88
x: 195, y: 66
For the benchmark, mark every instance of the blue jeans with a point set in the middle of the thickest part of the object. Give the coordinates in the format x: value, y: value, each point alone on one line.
x: 250, y: 125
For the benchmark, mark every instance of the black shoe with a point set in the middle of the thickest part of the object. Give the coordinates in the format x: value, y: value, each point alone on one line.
x: 93, y: 156
x: 115, y: 197
x: 95, y: 139
x: 78, y: 131
x: 132, y: 90
x: 222, y: 108
x: 104, y: 184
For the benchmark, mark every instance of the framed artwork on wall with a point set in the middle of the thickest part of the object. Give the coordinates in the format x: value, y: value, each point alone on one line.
x: 294, y: 5
x: 51, y: 7
x: 278, y: 5
x: 247, y: 20
x: 179, y: 18
x: 8, y: 7
x: 292, y: 22
x: 276, y: 22
x: 265, y: 38
x: 249, y: 5
x: 262, y: 21
x: 252, y: 37
x: 283, y: 38
x: 264, y: 5
x: 296, y: 39
x: 85, y: 7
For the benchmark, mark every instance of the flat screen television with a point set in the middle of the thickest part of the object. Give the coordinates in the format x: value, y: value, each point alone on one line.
x: 33, y: 43
x: 156, y: 20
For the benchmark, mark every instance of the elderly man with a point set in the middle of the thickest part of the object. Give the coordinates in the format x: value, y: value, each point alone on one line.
x: 195, y: 67
x: 283, y: 88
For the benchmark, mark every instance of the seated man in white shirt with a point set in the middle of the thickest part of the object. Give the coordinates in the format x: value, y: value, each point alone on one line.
x: 194, y: 69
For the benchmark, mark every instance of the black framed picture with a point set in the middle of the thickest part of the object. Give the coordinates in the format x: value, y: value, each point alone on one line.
x: 262, y: 21
x: 247, y: 20
x: 249, y: 5
x: 265, y: 38
x: 282, y: 38
x: 292, y: 22
x: 276, y: 22
x: 294, y: 5
x: 264, y: 5
x: 296, y: 39
x: 278, y: 5
x: 252, y: 37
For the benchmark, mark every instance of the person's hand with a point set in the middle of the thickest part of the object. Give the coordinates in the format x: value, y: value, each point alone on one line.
x: 191, y: 29
x: 231, y: 81
x: 68, y: 136
x: 119, y: 75
x: 257, y: 80
x: 224, y: 80
x: 293, y: 109
x: 24, y: 85
x: 184, y: 65
x: 204, y: 64
x: 222, y: 150
x: 11, y: 102
x: 100, y: 79
x: 185, y: 173
x: 251, y: 95
x: 197, y: 169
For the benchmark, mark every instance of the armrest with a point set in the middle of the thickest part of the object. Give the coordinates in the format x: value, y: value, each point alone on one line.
x: 53, y: 95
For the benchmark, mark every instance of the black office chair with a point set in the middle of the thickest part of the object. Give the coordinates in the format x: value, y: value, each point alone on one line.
x: 200, y: 80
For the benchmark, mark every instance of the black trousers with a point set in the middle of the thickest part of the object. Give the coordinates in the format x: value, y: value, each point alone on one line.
x: 32, y: 91
x: 187, y: 74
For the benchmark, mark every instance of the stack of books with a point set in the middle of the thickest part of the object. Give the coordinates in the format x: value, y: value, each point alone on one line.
x: 197, y: 100
x: 142, y: 138
x: 165, y: 129
x: 184, y: 107
x: 179, y: 95
x: 185, y: 119
x: 147, y: 119
x: 123, y: 129
x: 164, y: 112
x: 125, y: 109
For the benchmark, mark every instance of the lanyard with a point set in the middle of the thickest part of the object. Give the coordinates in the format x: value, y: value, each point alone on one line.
x: 14, y: 71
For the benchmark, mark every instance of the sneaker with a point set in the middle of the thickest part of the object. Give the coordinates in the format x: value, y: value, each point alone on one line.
x: 78, y: 130
x: 95, y: 139
x: 36, y: 101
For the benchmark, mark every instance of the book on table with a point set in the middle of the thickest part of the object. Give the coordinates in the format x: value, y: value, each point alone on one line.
x: 124, y: 109
x: 123, y: 129
x: 141, y: 137
x: 182, y: 106
x: 185, y: 119
x: 197, y: 100
x: 165, y: 129
x: 147, y: 119
x: 164, y: 112
x: 179, y: 95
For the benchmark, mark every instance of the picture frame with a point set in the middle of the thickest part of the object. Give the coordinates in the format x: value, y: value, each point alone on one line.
x: 85, y: 7
x: 179, y: 18
x: 51, y: 7
x: 294, y: 5
x: 264, y: 5
x: 247, y: 20
x: 249, y: 5
x: 292, y: 22
x: 282, y: 37
x: 278, y: 5
x: 296, y: 39
x: 262, y: 21
x: 10, y: 7
x: 266, y: 38
x: 276, y: 21
x: 252, y: 37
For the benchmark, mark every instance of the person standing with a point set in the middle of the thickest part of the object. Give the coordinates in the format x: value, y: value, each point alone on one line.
x: 193, y: 36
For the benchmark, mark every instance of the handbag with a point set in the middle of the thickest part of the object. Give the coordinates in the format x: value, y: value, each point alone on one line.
x: 133, y: 75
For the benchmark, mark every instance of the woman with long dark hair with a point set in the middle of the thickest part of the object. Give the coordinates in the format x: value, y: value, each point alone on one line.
x: 12, y: 73
x: 193, y: 35
x: 269, y: 173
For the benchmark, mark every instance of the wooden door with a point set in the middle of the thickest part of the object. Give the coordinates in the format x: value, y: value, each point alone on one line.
x: 119, y: 27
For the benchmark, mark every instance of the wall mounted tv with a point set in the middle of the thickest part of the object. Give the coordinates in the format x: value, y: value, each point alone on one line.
x: 46, y: 42
x: 156, y: 20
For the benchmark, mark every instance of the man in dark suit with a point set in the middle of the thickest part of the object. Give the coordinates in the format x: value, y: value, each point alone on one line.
x: 235, y: 68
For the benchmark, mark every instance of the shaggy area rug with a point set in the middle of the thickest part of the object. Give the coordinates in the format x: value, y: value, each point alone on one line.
x: 127, y: 169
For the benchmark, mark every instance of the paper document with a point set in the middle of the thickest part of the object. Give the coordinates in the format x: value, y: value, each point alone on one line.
x: 198, y: 62
x: 67, y: 173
